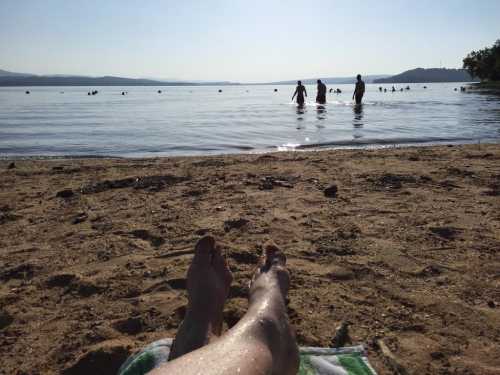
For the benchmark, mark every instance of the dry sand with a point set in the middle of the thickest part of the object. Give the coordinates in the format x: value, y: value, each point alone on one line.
x: 407, y: 251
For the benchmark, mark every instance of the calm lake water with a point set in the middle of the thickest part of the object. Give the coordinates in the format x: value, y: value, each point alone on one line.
x: 57, y: 121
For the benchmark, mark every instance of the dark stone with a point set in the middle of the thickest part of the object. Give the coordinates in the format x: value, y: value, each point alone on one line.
x: 266, y: 185
x: 235, y: 224
x: 5, y: 319
x: 201, y: 232
x: 61, y: 280
x: 131, y: 326
x: 430, y: 270
x: 23, y: 271
x: 11, y: 165
x: 177, y: 283
x: 437, y: 355
x: 492, y: 304
x: 269, y: 182
x: 193, y: 193
x: 447, y: 233
x: 66, y: 193
x: 84, y: 288
x: 331, y: 191
x: 341, y: 335
x: 144, y: 234
x: 79, y: 218
x: 494, y: 190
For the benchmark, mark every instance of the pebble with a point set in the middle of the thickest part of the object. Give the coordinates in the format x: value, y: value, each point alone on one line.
x: 331, y: 191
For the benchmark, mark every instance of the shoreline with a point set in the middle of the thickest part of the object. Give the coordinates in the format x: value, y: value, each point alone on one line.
x: 93, y: 251
x: 275, y: 149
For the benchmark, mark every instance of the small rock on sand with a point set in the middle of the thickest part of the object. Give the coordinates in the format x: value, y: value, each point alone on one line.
x: 331, y: 191
x: 66, y: 193
x: 60, y: 280
x: 235, y: 224
x: 447, y: 233
x: 131, y: 326
x: 11, y: 165
x: 79, y: 218
x: 5, y: 319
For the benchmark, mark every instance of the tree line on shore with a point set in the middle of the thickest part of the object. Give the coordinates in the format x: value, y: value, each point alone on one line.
x: 485, y: 63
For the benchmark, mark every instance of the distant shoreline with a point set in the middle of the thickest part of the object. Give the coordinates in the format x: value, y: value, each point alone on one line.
x: 485, y: 85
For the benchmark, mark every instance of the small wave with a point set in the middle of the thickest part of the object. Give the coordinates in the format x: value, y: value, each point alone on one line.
x: 367, y: 142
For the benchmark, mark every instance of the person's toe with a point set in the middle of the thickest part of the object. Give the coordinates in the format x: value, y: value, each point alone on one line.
x: 203, y: 250
x: 273, y: 255
x: 220, y: 265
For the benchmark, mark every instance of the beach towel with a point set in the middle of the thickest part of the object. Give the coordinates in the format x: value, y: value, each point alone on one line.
x: 313, y: 361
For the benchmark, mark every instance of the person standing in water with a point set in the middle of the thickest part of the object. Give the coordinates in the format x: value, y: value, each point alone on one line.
x: 300, y: 91
x: 359, y: 91
x: 321, y: 95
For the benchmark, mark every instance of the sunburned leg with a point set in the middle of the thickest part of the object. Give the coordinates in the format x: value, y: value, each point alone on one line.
x: 261, y: 342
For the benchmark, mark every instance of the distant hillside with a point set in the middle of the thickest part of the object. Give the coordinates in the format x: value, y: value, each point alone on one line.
x: 5, y: 73
x: 81, y: 81
x: 21, y: 79
x: 329, y: 80
x: 421, y: 75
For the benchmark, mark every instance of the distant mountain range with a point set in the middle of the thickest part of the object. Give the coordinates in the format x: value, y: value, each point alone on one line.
x: 418, y: 75
x: 22, y: 79
x: 421, y: 75
x: 329, y: 80
x: 4, y: 73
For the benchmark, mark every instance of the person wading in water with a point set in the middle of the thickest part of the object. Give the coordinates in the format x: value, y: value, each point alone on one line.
x: 321, y: 95
x: 300, y: 91
x: 359, y: 91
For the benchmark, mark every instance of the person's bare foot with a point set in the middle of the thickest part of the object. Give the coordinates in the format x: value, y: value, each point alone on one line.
x: 208, y: 282
x: 268, y: 291
x: 262, y: 341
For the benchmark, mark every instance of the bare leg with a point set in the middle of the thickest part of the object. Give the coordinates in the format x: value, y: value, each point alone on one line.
x: 261, y: 342
x: 208, y: 282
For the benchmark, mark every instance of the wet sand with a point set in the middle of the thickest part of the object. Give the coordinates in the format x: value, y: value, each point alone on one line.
x: 93, y: 253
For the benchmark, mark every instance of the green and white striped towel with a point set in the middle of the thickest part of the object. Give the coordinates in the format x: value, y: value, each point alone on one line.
x: 313, y: 361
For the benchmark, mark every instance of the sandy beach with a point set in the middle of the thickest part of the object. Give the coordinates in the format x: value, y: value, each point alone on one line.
x: 402, y: 243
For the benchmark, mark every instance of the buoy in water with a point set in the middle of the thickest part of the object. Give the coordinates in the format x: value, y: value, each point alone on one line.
x: 27, y: 92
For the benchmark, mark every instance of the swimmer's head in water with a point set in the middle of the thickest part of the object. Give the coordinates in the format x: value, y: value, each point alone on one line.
x: 359, y: 77
x: 299, y: 83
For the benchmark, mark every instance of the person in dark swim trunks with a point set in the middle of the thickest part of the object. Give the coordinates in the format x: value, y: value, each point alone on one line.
x: 300, y: 91
x: 359, y: 91
x: 321, y: 95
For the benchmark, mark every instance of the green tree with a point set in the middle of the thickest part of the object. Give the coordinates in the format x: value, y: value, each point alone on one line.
x: 484, y: 64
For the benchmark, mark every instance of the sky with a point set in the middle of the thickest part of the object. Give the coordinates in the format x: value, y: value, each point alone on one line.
x: 241, y: 40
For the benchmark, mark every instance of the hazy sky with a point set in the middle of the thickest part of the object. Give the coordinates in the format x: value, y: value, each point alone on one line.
x: 241, y: 40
